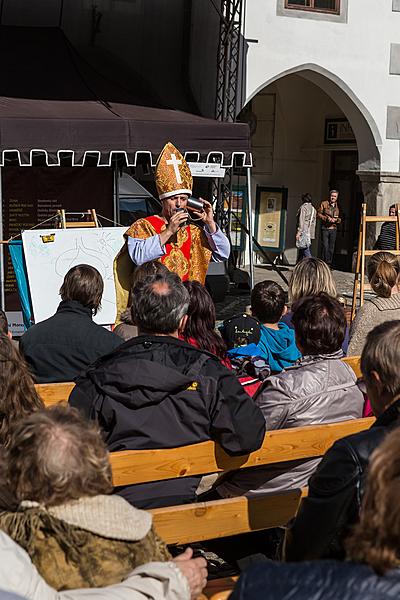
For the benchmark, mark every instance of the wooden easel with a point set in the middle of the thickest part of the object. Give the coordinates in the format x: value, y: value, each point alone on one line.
x: 359, y: 278
x: 63, y: 223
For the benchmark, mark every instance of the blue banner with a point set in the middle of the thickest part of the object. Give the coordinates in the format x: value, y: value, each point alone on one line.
x: 18, y: 260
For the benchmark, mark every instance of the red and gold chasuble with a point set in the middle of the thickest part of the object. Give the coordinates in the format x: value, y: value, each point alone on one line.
x: 177, y: 254
x: 188, y: 256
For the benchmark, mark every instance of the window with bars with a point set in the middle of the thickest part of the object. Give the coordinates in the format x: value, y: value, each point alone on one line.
x: 324, y: 6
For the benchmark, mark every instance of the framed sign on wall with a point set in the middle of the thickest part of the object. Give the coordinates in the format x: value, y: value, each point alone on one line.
x: 338, y: 131
x: 270, y: 218
x: 238, y: 216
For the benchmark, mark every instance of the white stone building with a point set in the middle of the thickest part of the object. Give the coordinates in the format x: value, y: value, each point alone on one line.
x: 314, y: 67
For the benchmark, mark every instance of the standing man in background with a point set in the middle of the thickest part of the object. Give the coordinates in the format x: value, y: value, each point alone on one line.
x: 328, y: 212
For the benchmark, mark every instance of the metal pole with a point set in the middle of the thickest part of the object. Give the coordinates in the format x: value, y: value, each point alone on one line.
x: 250, y: 211
x: 116, y: 192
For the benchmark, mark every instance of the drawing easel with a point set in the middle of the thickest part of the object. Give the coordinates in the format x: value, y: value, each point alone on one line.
x: 63, y: 223
x: 359, y: 278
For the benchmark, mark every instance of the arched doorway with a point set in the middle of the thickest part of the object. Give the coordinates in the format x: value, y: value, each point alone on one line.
x: 311, y: 134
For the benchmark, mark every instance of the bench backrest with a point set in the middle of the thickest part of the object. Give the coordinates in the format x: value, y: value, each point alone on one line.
x: 201, y: 521
x: 52, y: 393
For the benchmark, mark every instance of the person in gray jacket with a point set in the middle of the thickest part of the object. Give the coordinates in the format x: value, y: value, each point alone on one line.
x: 319, y: 388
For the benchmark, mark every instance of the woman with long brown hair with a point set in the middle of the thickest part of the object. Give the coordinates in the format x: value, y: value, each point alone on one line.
x: 18, y: 397
x: 383, y: 271
x: 200, y: 325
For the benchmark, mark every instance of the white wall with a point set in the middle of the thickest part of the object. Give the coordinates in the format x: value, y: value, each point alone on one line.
x: 354, y: 55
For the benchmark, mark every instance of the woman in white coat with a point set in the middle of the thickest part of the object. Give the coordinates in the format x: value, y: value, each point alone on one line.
x: 306, y: 221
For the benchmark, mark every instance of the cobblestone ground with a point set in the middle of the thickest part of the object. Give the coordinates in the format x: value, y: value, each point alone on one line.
x: 237, y: 301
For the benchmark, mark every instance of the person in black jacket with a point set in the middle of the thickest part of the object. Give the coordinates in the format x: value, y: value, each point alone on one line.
x: 61, y: 347
x: 336, y: 488
x: 157, y: 391
x: 371, y: 570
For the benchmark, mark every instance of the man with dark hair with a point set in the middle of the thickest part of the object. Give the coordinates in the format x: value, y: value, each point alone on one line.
x: 277, y: 344
x: 329, y: 213
x: 335, y: 489
x: 319, y: 388
x: 157, y: 391
x: 61, y: 347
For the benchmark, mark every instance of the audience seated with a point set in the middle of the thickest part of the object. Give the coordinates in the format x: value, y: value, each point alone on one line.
x: 383, y: 271
x: 127, y: 329
x: 157, y: 391
x: 311, y: 276
x: 320, y: 388
x: 335, y: 490
x: 57, y: 469
x: 180, y: 579
x: 60, y: 347
x: 371, y: 570
x: 199, y: 327
x: 18, y: 397
x: 277, y: 344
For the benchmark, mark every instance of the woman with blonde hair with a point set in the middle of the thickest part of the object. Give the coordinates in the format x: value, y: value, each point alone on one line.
x: 311, y: 277
x: 383, y: 271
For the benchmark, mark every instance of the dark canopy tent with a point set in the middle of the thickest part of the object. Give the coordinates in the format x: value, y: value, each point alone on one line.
x: 52, y: 101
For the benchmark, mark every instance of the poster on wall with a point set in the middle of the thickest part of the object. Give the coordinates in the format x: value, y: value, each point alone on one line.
x: 270, y: 221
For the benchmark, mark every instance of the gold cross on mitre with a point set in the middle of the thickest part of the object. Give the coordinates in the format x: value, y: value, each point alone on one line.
x: 172, y: 173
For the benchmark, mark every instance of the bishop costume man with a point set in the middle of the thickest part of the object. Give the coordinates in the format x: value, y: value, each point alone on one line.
x: 185, y: 248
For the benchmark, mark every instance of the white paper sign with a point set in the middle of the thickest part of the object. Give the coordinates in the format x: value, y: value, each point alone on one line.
x: 50, y: 253
x: 199, y: 169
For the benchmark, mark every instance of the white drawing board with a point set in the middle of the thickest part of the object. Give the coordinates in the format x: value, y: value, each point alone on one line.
x: 50, y: 253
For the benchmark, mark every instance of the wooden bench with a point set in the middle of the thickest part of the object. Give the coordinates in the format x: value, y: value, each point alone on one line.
x: 205, y: 520
x: 53, y: 393
x: 200, y: 521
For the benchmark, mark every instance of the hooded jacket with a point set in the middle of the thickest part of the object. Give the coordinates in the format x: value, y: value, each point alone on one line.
x: 160, y: 392
x: 278, y: 347
x: 318, y: 389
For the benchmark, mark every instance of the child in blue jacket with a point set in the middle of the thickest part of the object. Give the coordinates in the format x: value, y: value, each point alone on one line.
x: 277, y: 342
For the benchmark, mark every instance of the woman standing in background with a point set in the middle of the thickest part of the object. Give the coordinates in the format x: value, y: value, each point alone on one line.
x: 306, y: 221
